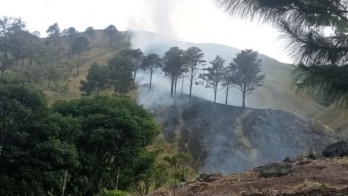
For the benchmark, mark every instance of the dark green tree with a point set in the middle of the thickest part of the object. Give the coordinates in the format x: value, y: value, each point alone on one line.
x: 173, y: 66
x: 194, y: 60
x: 135, y: 56
x: 214, y: 75
x: 79, y: 46
x: 179, y: 163
x: 8, y: 27
x: 36, y: 146
x: 120, y: 75
x: 110, y: 32
x: 96, y: 80
x: 247, y: 75
x: 321, y: 55
x: 53, y: 38
x: 229, y: 79
x: 52, y: 65
x: 90, y: 31
x: 71, y: 34
x: 150, y: 63
x: 115, y: 132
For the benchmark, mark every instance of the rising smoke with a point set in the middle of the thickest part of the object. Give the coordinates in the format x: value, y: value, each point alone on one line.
x: 227, y: 147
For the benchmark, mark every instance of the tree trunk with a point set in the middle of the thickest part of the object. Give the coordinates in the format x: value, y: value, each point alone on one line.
x: 243, y: 104
x: 135, y: 73
x: 215, y: 96
x: 175, y: 83
x: 182, y: 87
x: 244, y: 91
x: 78, y: 65
x: 172, y: 88
x: 118, y: 176
x: 191, y: 82
x: 151, y: 73
x: 64, y: 182
x: 227, y: 88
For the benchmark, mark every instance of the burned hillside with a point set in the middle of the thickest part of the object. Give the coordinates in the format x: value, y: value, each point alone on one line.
x: 227, y: 139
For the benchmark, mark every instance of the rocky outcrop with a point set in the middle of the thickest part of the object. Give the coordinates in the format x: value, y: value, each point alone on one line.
x: 275, y: 169
x: 209, y: 177
x: 339, y: 149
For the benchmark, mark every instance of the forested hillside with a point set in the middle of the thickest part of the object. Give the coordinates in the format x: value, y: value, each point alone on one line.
x: 78, y: 107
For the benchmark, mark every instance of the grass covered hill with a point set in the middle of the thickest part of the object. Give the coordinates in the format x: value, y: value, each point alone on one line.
x: 276, y: 93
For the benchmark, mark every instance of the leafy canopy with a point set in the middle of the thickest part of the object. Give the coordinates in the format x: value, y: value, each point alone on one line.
x: 320, y: 54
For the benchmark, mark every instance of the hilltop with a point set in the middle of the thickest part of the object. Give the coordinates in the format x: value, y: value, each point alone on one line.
x: 276, y: 92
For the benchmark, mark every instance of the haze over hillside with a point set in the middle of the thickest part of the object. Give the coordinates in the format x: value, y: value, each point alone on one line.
x: 275, y: 93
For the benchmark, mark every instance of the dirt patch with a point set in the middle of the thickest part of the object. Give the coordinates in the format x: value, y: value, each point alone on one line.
x: 311, y: 177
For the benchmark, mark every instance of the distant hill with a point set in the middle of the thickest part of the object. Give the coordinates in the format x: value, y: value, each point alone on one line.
x: 276, y: 92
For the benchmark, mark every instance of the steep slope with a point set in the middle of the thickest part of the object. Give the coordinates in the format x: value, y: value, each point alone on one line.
x: 276, y: 92
x: 226, y: 139
x: 335, y: 117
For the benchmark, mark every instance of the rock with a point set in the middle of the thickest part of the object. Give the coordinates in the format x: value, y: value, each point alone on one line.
x: 276, y: 169
x: 339, y: 149
x: 209, y: 177
x: 287, y: 160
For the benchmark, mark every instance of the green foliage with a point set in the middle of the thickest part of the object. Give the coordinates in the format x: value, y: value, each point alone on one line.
x: 9, y: 28
x: 79, y: 45
x: 150, y: 63
x: 36, y: 146
x: 120, y: 75
x: 326, y: 83
x: 304, y: 25
x: 80, y: 146
x: 180, y: 163
x: 114, y: 193
x: 246, y: 68
x: 194, y: 61
x: 114, y: 133
x: 53, y: 38
x: 53, y: 65
x: 214, y: 75
x: 117, y: 75
x: 90, y: 31
x: 96, y: 79
x: 110, y: 32
x: 71, y: 33
x: 135, y: 56
x: 174, y: 66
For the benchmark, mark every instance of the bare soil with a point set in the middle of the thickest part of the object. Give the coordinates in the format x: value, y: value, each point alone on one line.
x: 324, y: 176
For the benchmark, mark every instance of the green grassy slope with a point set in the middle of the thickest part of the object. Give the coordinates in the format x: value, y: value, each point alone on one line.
x: 276, y: 93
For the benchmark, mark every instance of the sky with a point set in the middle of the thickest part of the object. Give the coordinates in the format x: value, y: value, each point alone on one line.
x: 199, y: 21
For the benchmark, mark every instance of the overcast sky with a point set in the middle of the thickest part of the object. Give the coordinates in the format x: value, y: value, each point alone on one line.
x: 185, y: 20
